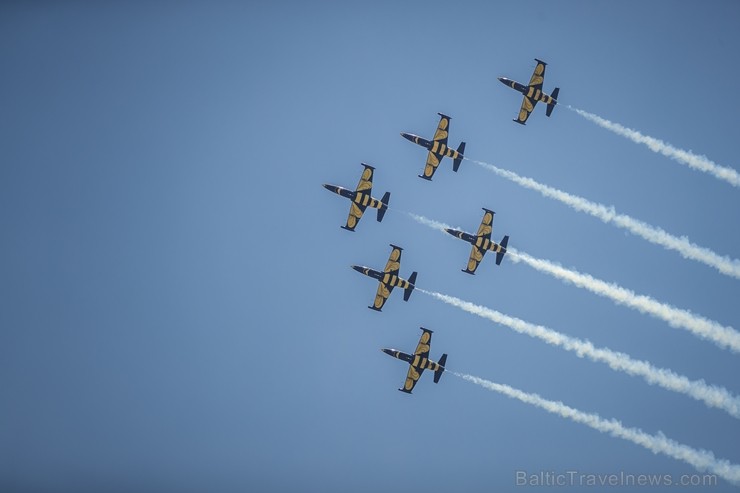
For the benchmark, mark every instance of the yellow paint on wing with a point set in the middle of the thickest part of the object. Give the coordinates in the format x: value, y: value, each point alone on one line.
x: 366, y: 180
x: 476, y: 254
x: 379, y: 300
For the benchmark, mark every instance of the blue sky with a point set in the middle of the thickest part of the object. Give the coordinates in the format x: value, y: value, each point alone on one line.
x: 178, y: 309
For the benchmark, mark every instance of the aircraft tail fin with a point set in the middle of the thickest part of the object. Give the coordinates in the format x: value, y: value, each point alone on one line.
x: 438, y: 374
x: 551, y: 106
x: 456, y: 162
x: 500, y: 255
x: 408, y: 290
x: 383, y: 205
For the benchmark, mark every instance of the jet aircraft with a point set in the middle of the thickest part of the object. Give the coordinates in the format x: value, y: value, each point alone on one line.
x: 438, y: 148
x: 533, y: 93
x: 361, y: 198
x: 419, y: 361
x: 388, y: 279
x: 481, y: 242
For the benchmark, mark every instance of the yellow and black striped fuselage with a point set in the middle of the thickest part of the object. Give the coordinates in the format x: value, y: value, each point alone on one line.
x: 364, y: 199
x: 487, y: 244
x: 358, y: 197
x: 530, y: 92
x: 416, y: 360
x: 479, y: 241
x: 385, y: 277
x: 435, y: 146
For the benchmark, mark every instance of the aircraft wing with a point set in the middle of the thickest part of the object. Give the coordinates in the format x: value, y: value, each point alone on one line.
x: 430, y: 167
x: 355, y: 213
x: 394, y: 261
x: 366, y: 180
x: 538, y: 76
x: 422, y: 349
x: 384, y: 291
x: 486, y: 225
x: 476, y: 255
x: 528, y: 105
x: 412, y: 377
x: 441, y: 134
x: 355, y: 209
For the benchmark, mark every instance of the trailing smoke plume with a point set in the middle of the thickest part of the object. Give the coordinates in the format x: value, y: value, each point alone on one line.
x: 702, y: 460
x: 724, y: 264
x: 701, y: 163
x: 711, y: 395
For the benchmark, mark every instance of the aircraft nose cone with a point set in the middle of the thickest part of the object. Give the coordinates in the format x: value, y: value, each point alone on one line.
x: 358, y: 268
x: 407, y: 136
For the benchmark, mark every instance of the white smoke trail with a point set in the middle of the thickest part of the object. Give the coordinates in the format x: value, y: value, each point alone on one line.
x: 702, y: 460
x: 711, y: 395
x: 430, y: 222
x: 725, y: 337
x: 701, y: 163
x: 724, y: 264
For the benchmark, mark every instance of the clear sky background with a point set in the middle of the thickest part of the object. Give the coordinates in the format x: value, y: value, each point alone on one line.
x: 178, y: 312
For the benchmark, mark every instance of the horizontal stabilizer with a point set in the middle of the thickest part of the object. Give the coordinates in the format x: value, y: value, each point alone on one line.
x: 500, y: 255
x: 408, y: 290
x: 551, y: 106
x: 438, y: 374
x: 456, y: 162
x: 383, y: 205
x: 348, y: 229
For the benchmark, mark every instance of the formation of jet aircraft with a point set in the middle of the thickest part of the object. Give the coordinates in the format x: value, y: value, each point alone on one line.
x: 533, y: 93
x: 388, y: 279
x: 437, y: 148
x: 481, y: 242
x: 361, y: 198
x: 419, y: 361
